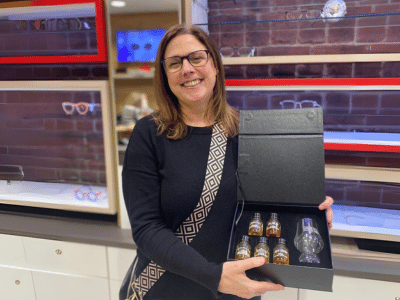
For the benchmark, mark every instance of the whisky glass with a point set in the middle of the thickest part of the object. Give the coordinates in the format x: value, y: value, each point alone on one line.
x: 308, y: 241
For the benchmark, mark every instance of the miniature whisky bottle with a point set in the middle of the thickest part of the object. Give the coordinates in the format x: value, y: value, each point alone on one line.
x: 256, y: 226
x: 262, y: 249
x: 273, y: 228
x: 281, y: 253
x: 243, y: 248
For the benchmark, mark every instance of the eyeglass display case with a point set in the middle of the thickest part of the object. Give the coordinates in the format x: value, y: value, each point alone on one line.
x: 53, y: 31
x: 57, y: 146
x: 282, y: 32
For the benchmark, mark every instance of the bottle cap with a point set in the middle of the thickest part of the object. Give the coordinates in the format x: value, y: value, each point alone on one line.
x: 245, y: 238
x: 281, y: 241
x: 263, y: 239
x: 274, y: 215
x: 257, y: 215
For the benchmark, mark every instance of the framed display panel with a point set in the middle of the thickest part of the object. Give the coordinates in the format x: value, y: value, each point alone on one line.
x: 67, y: 31
x: 294, y: 32
x: 359, y: 115
x: 57, y: 146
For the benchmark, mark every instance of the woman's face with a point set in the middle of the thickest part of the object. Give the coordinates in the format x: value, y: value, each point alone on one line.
x: 193, y: 86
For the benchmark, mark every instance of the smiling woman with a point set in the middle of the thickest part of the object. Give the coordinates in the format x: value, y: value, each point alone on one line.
x: 179, y: 179
x: 191, y: 80
x: 196, y: 93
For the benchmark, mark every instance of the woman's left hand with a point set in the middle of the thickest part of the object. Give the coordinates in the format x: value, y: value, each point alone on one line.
x: 327, y: 205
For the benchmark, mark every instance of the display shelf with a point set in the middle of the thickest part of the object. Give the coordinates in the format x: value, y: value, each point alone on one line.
x: 75, y: 197
x: 362, y: 141
x: 130, y: 77
x: 369, y: 83
x: 300, y: 33
x: 366, y: 222
x: 66, y: 9
x: 343, y: 140
x: 124, y: 128
x: 48, y: 12
x: 291, y: 17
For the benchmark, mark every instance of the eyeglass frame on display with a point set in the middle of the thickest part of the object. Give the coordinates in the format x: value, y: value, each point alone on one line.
x: 298, y: 104
x: 90, y: 195
x: 250, y: 54
x: 87, y: 107
x: 187, y: 58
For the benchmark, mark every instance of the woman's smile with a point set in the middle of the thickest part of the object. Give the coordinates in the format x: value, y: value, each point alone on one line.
x: 192, y: 83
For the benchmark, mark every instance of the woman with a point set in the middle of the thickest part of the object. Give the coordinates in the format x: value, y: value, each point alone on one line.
x: 164, y: 176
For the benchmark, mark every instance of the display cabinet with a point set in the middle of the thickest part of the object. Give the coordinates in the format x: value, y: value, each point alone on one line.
x: 64, y: 31
x: 58, y: 146
x: 282, y: 32
x: 42, y: 269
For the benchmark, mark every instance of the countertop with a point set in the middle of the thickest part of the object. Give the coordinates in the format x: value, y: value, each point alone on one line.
x: 72, y: 230
x: 347, y: 258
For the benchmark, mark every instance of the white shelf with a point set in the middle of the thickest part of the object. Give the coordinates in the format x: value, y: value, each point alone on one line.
x: 366, y: 222
x: 55, y: 195
x: 127, y: 76
x: 49, y: 12
x: 365, y: 138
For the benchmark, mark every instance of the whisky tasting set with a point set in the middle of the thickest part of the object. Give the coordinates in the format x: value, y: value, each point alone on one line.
x: 307, y: 240
x: 281, y: 180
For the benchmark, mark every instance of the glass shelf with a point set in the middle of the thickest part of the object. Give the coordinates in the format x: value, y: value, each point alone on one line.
x: 69, y: 32
x: 288, y: 32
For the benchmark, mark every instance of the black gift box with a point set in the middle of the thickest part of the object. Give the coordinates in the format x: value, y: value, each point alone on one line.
x: 281, y: 170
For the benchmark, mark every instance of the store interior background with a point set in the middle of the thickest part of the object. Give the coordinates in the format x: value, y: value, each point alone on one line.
x: 75, y: 158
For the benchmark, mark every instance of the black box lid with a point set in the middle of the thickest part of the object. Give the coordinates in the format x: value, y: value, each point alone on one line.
x: 281, y: 156
x: 283, y: 121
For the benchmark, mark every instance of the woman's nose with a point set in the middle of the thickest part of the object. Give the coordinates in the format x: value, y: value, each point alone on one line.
x: 186, y: 65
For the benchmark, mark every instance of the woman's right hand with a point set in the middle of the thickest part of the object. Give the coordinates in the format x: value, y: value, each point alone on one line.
x: 234, y: 280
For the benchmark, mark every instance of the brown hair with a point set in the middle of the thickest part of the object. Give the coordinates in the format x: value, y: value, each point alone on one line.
x: 169, y: 116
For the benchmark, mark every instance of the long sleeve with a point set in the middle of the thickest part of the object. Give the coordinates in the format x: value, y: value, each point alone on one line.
x: 142, y: 183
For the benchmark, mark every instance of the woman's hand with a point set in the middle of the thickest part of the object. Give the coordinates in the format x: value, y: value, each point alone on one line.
x: 327, y: 205
x: 234, y: 280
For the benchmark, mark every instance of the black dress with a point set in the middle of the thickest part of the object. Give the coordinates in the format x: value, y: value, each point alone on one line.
x: 162, y: 184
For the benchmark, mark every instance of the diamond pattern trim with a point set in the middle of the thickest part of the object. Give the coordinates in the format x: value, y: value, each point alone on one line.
x: 191, y: 226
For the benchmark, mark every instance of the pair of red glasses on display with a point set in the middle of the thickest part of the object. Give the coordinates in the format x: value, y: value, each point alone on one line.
x: 82, y: 107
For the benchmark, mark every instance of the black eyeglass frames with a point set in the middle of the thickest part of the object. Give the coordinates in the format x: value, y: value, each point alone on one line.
x: 197, y: 58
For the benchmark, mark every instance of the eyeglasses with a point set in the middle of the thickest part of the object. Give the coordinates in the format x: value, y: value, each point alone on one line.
x: 286, y: 104
x: 82, y: 107
x: 237, y: 51
x: 146, y: 46
x: 85, y: 193
x: 196, y: 59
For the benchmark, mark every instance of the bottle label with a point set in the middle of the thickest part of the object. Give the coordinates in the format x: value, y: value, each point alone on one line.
x: 261, y: 252
x: 243, y: 252
x: 281, y: 252
x: 273, y: 226
x: 281, y: 257
x: 273, y: 229
x: 255, y: 225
